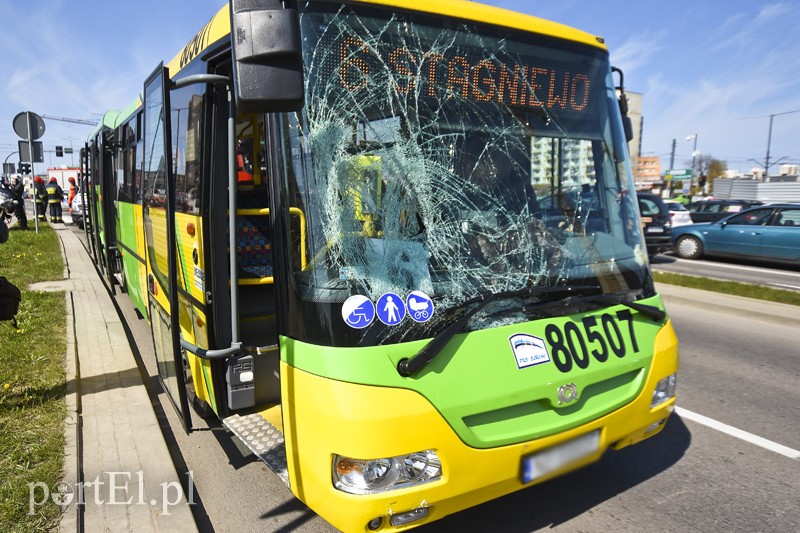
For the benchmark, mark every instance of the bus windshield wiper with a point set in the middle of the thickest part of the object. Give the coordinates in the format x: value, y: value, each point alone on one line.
x: 649, y: 311
x: 410, y: 366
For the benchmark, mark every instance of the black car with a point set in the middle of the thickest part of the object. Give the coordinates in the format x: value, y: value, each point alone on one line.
x: 713, y: 210
x: 656, y: 223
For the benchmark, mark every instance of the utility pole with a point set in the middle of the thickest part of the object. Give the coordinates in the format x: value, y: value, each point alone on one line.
x: 672, y: 157
x: 671, y: 166
x: 769, y: 139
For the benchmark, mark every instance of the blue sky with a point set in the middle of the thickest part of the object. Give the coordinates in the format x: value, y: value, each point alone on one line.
x: 715, y: 68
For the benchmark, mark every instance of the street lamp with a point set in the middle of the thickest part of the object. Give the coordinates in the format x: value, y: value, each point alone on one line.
x: 694, y: 157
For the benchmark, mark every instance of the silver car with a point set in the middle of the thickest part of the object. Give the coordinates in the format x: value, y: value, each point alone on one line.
x: 77, y: 210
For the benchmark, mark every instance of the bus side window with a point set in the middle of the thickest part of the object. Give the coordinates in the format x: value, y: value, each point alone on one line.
x: 250, y: 149
x: 244, y: 162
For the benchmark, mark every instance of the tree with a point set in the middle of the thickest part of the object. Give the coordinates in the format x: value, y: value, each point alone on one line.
x: 701, y: 162
x: 706, y: 165
x: 716, y: 168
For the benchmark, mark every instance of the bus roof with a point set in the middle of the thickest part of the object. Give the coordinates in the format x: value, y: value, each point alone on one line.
x: 107, y: 123
x: 219, y: 26
x: 496, y: 16
x: 124, y: 114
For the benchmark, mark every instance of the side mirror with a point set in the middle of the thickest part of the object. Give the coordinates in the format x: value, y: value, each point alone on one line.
x: 627, y: 124
x: 267, y: 56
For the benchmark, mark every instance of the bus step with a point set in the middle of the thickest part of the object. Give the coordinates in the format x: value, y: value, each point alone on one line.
x: 263, y: 439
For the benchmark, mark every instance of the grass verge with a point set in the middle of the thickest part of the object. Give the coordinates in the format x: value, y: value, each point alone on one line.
x: 32, y: 382
x: 735, y: 288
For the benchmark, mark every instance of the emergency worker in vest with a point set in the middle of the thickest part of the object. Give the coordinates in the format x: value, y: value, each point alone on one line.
x: 39, y: 196
x: 19, y: 191
x: 73, y: 190
x: 55, y: 194
x: 244, y: 166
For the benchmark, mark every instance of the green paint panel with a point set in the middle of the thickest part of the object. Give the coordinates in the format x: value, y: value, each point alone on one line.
x: 476, y: 382
x: 126, y: 235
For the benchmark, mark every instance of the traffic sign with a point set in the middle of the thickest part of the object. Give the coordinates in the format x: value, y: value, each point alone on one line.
x: 29, y: 125
x: 678, y: 174
x: 25, y: 151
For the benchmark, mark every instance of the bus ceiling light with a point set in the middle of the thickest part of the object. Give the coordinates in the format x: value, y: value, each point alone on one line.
x: 373, y: 476
x: 665, y: 390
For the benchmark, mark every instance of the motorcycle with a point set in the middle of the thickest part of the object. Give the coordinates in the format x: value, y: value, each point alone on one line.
x: 8, y: 206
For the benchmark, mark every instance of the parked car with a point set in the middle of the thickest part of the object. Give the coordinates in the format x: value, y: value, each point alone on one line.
x: 678, y: 213
x: 713, y: 210
x: 769, y: 232
x: 657, y: 223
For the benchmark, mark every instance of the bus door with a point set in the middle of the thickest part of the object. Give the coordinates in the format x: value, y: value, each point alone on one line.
x: 159, y: 230
x: 86, y: 199
x: 93, y: 190
x: 106, y: 202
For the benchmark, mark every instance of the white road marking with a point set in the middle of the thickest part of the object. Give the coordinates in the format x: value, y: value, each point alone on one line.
x: 739, y: 434
x: 742, y: 267
x: 795, y: 287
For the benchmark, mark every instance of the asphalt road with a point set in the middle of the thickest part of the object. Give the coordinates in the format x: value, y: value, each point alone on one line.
x: 776, y: 276
x: 740, y: 367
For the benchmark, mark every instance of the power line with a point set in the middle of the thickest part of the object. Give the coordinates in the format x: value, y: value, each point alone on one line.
x: 769, y: 139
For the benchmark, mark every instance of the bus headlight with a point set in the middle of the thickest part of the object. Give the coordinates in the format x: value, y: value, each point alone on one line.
x: 371, y: 476
x: 665, y: 390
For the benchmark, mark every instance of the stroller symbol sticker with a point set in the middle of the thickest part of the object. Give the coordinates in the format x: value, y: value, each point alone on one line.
x: 358, y: 311
x: 420, y: 306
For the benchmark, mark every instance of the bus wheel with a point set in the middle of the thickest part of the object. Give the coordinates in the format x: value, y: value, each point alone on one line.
x: 689, y: 247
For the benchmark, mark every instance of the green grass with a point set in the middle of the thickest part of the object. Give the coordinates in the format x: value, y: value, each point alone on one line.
x: 735, y: 288
x: 32, y: 382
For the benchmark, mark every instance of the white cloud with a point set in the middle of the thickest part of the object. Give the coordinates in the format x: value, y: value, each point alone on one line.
x: 637, y: 51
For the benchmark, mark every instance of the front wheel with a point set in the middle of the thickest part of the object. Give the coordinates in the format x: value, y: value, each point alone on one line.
x: 689, y: 247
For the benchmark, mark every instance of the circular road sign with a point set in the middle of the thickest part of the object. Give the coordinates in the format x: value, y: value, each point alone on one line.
x: 33, y: 125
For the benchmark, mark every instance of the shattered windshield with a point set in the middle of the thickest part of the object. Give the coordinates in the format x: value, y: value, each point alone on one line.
x: 438, y: 161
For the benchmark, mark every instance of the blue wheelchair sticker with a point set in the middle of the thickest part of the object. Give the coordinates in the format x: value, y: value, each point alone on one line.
x: 420, y: 306
x: 391, y: 309
x: 358, y: 311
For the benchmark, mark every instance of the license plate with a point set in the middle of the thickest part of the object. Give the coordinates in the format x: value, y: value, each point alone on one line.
x: 547, y: 461
x: 655, y: 229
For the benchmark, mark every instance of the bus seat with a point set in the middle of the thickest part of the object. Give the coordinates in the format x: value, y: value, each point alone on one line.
x: 253, y: 252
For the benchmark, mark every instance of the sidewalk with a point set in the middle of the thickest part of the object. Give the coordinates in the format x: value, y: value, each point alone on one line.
x: 117, y: 465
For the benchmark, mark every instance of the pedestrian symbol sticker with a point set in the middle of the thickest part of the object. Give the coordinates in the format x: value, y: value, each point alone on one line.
x: 420, y: 306
x: 391, y: 309
x: 358, y: 311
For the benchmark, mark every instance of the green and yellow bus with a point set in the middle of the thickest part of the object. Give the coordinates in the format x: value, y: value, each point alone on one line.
x: 394, y: 246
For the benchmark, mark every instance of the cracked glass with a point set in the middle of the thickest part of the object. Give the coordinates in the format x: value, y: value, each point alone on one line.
x: 453, y: 159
